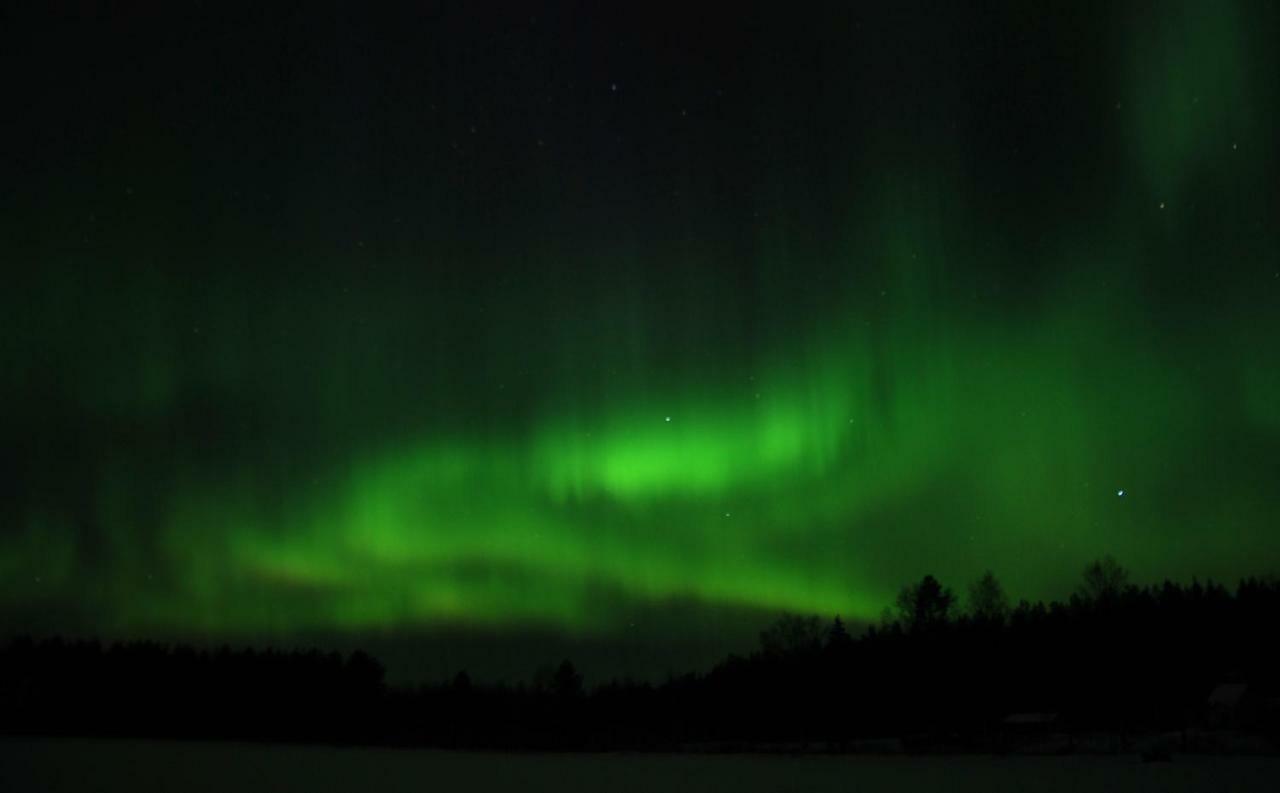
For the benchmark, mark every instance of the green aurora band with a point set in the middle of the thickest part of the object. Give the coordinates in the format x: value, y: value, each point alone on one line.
x: 235, y: 450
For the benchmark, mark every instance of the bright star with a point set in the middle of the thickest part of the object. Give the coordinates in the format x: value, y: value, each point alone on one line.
x: 1120, y: 493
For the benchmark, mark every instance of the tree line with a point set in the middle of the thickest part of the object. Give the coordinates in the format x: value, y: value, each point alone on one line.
x: 1113, y: 657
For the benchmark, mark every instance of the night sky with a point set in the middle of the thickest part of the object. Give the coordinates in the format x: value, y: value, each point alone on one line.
x: 628, y: 331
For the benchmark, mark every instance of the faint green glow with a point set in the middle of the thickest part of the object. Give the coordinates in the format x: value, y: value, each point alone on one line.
x: 1192, y: 98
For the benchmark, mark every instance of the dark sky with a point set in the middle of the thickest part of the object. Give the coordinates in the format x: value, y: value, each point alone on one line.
x: 470, y: 330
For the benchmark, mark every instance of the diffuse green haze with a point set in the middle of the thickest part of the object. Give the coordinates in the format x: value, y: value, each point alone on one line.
x: 534, y: 434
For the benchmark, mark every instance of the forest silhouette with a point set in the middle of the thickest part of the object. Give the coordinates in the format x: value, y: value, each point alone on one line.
x: 1111, y: 664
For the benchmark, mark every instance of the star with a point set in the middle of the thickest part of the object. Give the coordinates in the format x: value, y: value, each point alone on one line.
x: 1120, y: 493
x: 667, y: 419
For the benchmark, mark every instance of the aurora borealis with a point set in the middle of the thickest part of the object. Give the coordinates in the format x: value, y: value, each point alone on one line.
x: 322, y: 322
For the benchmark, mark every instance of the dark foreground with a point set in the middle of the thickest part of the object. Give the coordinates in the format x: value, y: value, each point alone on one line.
x: 52, y: 765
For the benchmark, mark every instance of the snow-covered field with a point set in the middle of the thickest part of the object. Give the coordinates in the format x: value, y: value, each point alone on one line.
x: 88, y: 765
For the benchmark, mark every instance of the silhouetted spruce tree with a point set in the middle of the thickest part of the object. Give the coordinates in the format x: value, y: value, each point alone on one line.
x: 1104, y: 580
x: 791, y: 634
x: 925, y: 606
x: 987, y: 601
x: 838, y: 637
x: 566, y: 683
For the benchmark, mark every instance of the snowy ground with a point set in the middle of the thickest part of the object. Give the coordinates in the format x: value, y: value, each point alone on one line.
x: 84, y: 765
